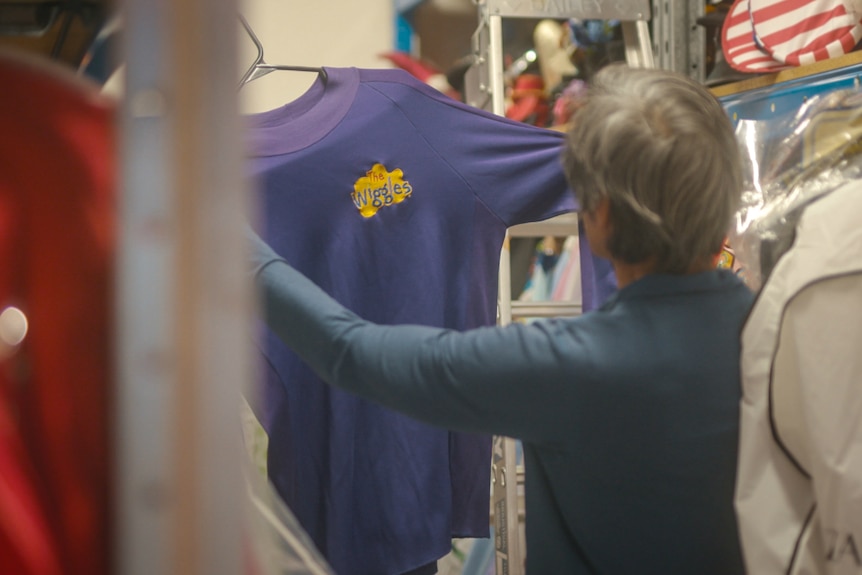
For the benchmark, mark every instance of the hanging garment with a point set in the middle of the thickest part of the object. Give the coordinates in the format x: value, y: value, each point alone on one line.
x: 630, y: 456
x: 800, y: 472
x: 598, y: 280
x: 395, y: 200
x: 56, y: 252
x: 567, y: 278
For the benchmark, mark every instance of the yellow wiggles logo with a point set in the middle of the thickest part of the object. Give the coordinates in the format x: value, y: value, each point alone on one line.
x: 378, y: 188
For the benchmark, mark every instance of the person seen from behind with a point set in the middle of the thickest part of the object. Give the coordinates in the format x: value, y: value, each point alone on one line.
x: 628, y: 414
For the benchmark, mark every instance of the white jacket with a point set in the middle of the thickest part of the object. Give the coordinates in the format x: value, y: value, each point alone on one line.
x: 799, y: 484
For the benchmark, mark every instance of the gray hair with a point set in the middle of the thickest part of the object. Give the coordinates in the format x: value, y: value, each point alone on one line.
x: 662, y: 150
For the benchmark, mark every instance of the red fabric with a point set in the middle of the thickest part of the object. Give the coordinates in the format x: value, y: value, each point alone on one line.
x: 57, y: 185
x: 799, y: 32
x: 423, y: 70
x: 770, y: 35
x: 528, y: 101
x: 737, y: 42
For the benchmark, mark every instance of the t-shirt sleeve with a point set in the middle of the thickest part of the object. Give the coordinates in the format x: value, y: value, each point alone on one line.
x: 514, y: 168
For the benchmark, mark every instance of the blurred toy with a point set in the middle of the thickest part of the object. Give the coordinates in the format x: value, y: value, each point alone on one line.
x: 423, y: 70
x: 529, y: 103
x: 569, y: 100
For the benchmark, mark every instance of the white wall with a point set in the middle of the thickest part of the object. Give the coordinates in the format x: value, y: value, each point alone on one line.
x: 311, y: 33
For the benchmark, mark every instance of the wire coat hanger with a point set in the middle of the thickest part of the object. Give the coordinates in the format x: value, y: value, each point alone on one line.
x: 260, y: 68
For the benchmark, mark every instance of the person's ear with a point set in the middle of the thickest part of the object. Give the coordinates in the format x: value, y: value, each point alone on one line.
x: 601, y: 215
x: 598, y: 227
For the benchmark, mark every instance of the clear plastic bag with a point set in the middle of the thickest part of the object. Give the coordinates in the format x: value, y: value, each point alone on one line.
x: 789, y: 162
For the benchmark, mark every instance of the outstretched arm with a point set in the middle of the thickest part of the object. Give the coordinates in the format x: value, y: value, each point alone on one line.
x: 481, y: 380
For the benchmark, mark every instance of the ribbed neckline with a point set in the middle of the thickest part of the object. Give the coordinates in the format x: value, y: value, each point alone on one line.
x: 305, y: 120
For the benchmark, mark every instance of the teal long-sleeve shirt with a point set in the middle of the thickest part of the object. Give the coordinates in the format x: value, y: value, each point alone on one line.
x: 628, y: 415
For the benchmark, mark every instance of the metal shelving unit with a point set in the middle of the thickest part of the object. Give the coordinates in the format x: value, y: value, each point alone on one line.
x: 679, y: 43
x: 484, y: 88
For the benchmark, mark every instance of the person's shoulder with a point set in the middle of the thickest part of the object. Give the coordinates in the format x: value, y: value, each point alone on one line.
x: 736, y: 297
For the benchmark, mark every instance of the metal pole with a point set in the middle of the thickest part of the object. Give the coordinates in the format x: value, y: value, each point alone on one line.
x: 182, y: 299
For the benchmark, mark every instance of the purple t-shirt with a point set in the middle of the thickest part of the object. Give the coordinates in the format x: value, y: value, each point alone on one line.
x: 394, y: 199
